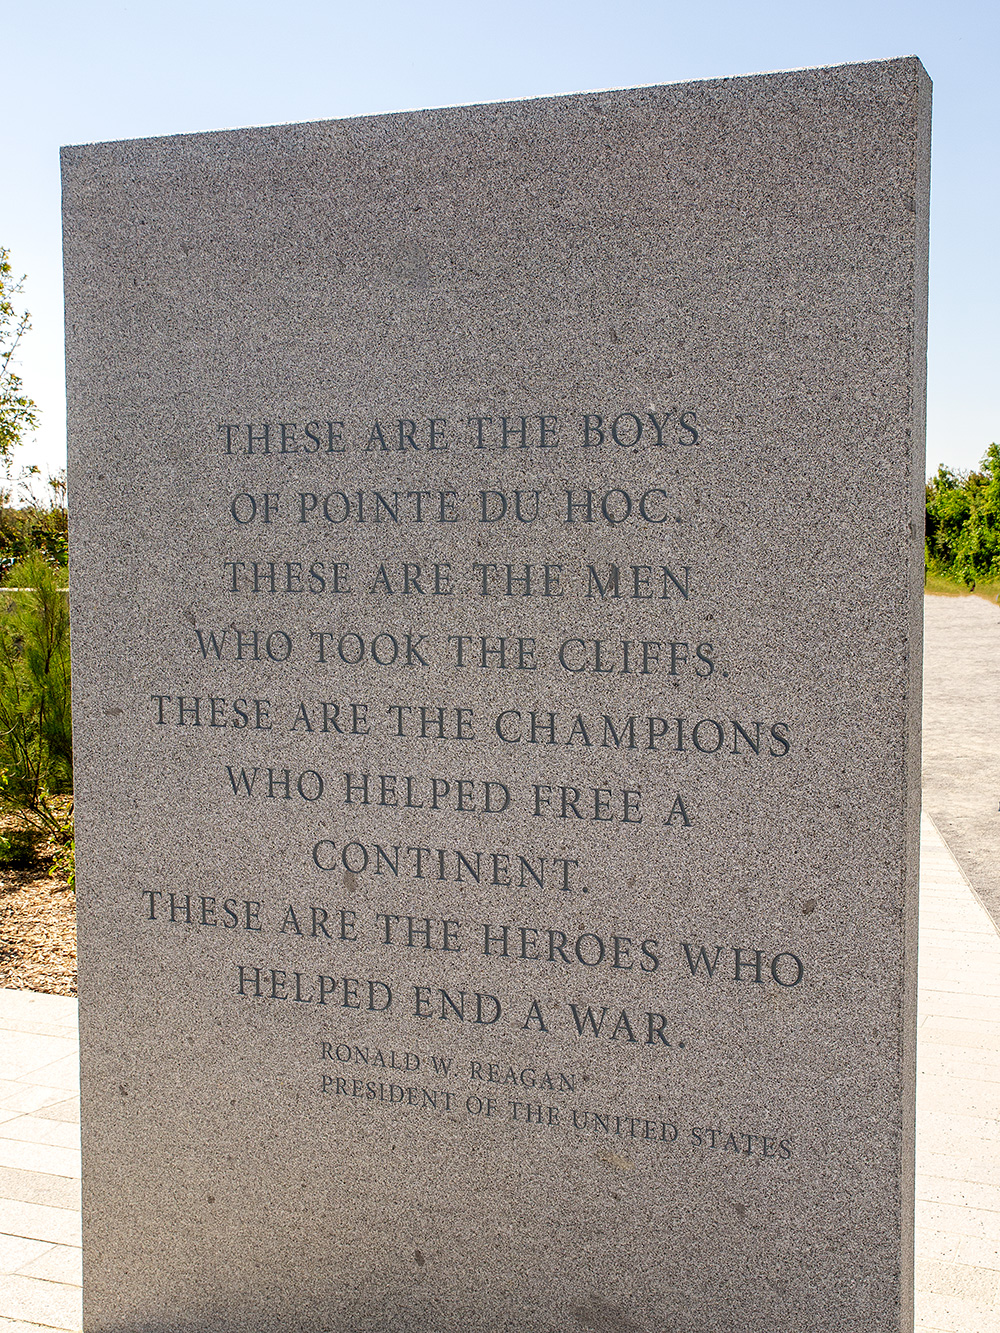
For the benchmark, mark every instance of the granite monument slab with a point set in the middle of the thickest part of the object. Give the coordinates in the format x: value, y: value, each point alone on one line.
x: 496, y: 564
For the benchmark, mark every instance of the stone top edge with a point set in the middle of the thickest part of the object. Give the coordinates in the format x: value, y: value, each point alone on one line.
x: 69, y: 151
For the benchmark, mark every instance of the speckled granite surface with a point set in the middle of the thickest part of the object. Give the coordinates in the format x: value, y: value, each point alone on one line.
x: 497, y: 582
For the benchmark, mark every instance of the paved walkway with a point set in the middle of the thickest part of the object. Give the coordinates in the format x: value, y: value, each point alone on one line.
x: 958, y: 1129
x: 961, y: 758
x: 39, y: 1163
x: 958, y: 1102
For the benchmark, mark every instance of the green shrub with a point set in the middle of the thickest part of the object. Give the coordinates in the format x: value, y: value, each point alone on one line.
x: 64, y: 864
x: 962, y: 539
x: 17, y: 849
x: 24, y: 531
x: 36, y: 747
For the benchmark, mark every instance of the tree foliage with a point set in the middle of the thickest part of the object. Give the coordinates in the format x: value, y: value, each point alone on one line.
x: 963, y: 522
x: 18, y: 413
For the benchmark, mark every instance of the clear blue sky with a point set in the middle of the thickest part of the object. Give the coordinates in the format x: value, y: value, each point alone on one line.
x: 76, y: 72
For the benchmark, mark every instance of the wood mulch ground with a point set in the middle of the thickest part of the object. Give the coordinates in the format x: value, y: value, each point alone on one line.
x: 37, y: 927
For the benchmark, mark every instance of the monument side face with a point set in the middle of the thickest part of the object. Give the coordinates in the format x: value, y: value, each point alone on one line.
x: 496, y: 572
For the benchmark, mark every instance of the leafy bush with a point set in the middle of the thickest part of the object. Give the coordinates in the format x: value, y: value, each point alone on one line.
x: 36, y: 747
x: 30, y: 529
x: 34, y: 525
x: 962, y: 539
x: 17, y: 849
x: 64, y: 865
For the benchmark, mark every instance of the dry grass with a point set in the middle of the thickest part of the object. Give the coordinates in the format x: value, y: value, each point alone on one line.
x: 939, y: 586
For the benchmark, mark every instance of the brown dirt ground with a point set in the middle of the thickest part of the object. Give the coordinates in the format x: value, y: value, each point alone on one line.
x: 37, y: 928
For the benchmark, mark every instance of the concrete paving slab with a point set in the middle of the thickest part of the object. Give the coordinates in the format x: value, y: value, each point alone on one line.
x: 22, y: 1007
x: 59, y: 1263
x: 61, y: 1133
x: 935, y: 1244
x: 51, y: 1304
x: 40, y: 1157
x: 951, y: 1189
x: 985, y: 1253
x: 20, y: 1326
x: 52, y: 1191
x: 16, y: 1251
x: 62, y: 1073
x: 978, y: 1168
x: 22, y: 1054
x: 67, y: 1111
x: 66, y: 1030
x: 37, y: 1221
x: 962, y: 1280
x: 30, y: 1099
